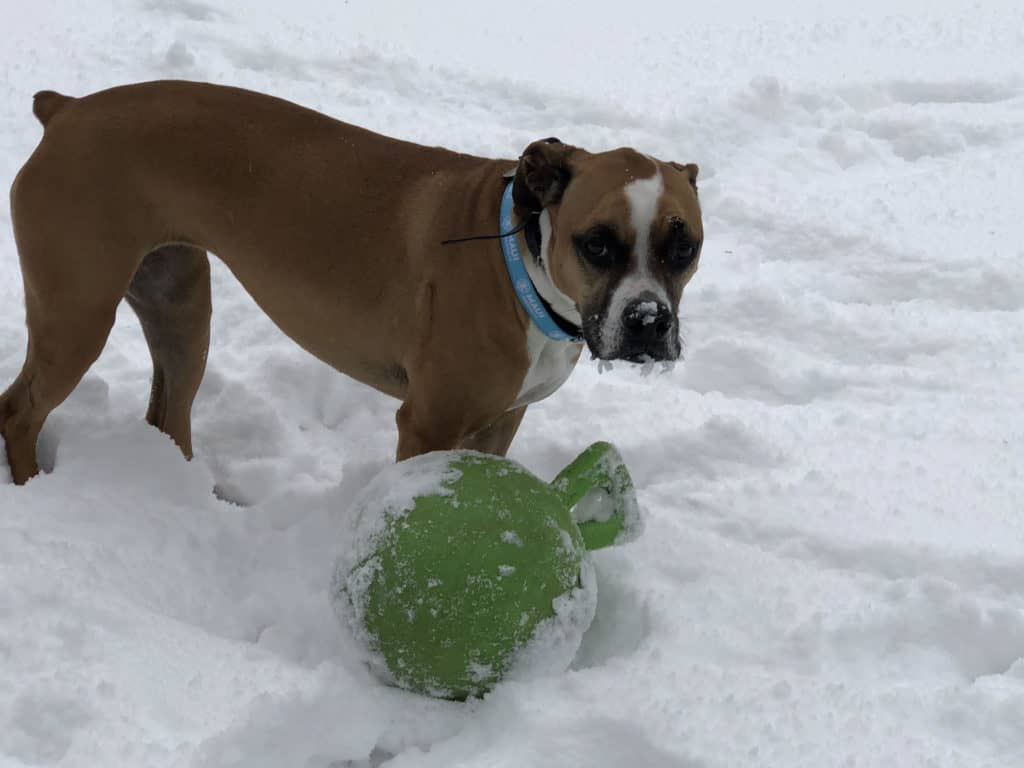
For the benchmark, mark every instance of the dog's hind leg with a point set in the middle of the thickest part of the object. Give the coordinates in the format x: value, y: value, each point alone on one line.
x: 170, y: 293
x: 63, y: 341
x: 78, y: 256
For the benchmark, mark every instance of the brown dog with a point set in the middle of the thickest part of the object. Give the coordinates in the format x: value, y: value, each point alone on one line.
x: 335, y: 231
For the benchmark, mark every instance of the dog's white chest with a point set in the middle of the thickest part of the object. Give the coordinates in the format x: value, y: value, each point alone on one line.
x: 551, y: 362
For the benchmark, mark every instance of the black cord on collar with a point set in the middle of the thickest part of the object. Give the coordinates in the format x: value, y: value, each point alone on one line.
x: 521, y: 226
x: 533, y: 239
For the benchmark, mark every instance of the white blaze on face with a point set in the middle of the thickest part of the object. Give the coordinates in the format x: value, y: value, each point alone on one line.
x: 643, y: 196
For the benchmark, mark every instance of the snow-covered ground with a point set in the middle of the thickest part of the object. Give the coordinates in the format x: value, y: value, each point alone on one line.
x: 833, y: 568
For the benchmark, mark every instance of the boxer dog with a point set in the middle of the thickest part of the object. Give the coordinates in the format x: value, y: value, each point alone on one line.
x: 337, y: 232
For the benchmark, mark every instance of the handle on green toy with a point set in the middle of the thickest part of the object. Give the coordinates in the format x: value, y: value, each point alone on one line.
x: 598, y: 489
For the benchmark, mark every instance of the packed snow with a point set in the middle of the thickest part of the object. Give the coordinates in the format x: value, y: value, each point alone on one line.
x: 832, y: 572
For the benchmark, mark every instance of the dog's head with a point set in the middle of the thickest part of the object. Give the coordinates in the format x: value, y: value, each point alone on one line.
x: 621, y: 235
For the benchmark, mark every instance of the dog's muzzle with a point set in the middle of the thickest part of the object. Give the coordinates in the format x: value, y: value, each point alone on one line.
x: 646, y: 330
x: 649, y: 330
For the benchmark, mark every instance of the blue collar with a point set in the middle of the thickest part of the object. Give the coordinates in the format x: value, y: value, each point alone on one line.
x: 532, y: 302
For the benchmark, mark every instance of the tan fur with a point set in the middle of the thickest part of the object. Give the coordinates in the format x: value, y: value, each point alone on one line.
x: 332, y: 229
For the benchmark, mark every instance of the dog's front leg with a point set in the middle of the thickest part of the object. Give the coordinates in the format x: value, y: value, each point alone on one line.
x: 462, y: 380
x: 496, y: 438
x: 453, y: 417
x: 429, y: 424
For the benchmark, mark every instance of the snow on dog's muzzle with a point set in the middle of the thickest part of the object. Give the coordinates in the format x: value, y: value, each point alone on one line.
x: 649, y: 330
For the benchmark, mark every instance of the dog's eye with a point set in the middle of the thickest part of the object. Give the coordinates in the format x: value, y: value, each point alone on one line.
x: 598, y: 248
x: 682, y: 253
x: 597, y: 251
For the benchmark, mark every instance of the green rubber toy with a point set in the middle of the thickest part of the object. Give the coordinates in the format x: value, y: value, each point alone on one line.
x: 467, y: 569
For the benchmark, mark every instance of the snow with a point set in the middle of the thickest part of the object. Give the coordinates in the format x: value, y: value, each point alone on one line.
x: 596, y: 506
x: 511, y: 537
x: 556, y: 640
x: 832, y: 570
x: 649, y: 310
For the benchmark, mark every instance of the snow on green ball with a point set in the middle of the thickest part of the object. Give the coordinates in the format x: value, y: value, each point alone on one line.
x: 467, y: 569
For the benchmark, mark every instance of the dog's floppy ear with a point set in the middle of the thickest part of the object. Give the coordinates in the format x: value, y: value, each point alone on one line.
x: 690, y: 169
x: 542, y: 174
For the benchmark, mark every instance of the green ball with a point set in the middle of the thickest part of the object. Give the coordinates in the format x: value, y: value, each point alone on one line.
x: 467, y: 569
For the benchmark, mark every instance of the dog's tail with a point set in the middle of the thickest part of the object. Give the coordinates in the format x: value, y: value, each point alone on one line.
x: 46, y: 104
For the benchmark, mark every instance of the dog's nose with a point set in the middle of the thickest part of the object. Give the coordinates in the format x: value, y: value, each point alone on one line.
x: 647, y: 320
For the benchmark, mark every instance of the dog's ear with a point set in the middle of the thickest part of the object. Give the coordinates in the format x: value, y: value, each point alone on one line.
x: 690, y: 169
x: 542, y: 174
